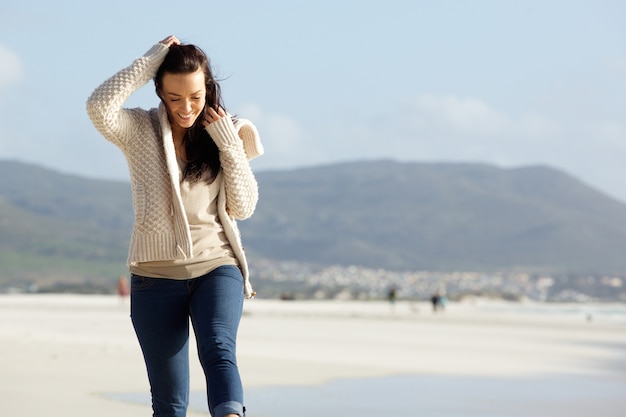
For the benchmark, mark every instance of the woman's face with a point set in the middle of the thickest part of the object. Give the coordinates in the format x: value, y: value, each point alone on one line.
x: 184, y: 96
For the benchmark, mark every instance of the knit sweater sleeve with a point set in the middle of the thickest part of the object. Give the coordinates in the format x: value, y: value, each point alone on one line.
x: 104, y: 105
x: 241, y: 186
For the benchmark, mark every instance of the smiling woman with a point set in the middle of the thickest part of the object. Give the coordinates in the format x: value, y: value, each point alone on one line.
x: 189, y: 91
x: 184, y: 103
x: 191, y: 180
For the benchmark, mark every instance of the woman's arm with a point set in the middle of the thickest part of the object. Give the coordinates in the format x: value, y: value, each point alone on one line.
x: 242, y: 191
x: 104, y: 105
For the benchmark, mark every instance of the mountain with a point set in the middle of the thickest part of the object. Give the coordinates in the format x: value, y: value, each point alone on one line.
x: 378, y: 214
x: 434, y: 216
x: 58, y: 227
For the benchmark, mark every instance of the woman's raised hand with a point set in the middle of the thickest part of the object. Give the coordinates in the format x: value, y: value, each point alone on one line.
x: 170, y: 40
x: 212, y: 115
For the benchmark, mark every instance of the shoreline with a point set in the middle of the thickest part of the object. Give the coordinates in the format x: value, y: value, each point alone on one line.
x: 70, y: 352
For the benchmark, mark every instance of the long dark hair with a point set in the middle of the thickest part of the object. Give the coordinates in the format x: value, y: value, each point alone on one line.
x: 202, y: 152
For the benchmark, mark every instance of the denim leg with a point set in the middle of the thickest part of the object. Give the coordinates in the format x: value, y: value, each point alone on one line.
x: 160, y: 316
x: 216, y: 307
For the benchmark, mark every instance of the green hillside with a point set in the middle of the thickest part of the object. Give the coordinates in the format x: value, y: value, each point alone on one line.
x: 379, y: 214
x: 438, y: 217
x: 56, y: 227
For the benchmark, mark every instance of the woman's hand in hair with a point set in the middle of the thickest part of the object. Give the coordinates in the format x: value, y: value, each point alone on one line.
x: 170, y: 40
x: 212, y: 115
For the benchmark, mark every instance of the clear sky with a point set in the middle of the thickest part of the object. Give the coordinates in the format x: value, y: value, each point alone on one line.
x: 505, y: 82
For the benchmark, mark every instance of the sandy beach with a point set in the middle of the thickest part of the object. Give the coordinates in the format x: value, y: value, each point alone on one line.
x: 70, y: 355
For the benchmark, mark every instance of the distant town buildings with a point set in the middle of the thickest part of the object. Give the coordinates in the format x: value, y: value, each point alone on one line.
x: 295, y: 280
x: 289, y: 280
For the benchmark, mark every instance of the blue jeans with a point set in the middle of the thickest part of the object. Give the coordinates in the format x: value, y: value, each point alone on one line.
x: 160, y: 312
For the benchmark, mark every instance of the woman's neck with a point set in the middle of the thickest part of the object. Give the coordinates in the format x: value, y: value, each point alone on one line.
x: 178, y: 136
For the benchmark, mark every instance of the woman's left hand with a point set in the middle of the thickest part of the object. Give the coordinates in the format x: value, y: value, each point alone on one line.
x: 213, y: 115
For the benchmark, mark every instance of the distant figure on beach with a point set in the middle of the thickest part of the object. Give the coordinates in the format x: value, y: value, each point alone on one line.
x: 438, y: 302
x: 391, y: 297
x: 122, y: 287
x: 443, y: 301
x: 191, y: 180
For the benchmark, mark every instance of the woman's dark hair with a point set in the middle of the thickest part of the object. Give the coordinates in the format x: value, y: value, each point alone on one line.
x: 202, y: 152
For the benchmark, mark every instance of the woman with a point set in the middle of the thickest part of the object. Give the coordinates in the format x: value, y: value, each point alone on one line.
x: 190, y: 176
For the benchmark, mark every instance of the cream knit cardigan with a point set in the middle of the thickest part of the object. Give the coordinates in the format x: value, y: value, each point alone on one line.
x: 161, y: 230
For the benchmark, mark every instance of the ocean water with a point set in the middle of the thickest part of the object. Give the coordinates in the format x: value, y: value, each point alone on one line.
x: 609, y: 312
x: 433, y: 396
